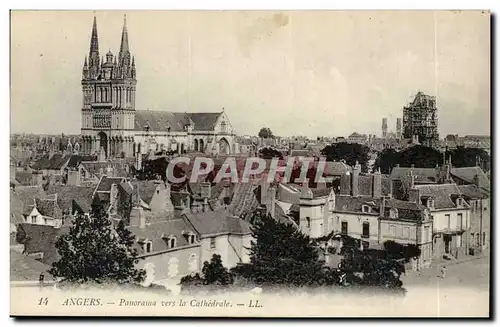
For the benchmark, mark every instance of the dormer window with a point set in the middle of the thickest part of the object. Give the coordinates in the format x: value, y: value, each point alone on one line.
x: 393, y: 213
x: 172, y: 242
x: 460, y: 202
x: 149, y: 247
x: 365, y: 208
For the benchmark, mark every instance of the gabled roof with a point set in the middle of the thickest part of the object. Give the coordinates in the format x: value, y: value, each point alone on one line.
x: 421, y: 174
x: 106, y: 182
x: 47, y: 207
x: 204, y: 121
x: 347, y: 203
x: 244, y: 200
x: 41, y: 238
x: 467, y: 174
x: 336, y: 168
x: 25, y: 196
x: 66, y: 194
x: 76, y: 159
x: 23, y: 177
x: 217, y: 222
x: 154, y: 231
x: 146, y: 189
x: 56, y: 162
x: 473, y: 192
x: 442, y: 194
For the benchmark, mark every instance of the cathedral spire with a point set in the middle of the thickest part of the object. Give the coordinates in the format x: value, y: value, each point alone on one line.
x: 124, y: 44
x: 94, y: 42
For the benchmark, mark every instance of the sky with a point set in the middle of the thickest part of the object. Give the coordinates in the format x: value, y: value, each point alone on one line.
x: 310, y: 73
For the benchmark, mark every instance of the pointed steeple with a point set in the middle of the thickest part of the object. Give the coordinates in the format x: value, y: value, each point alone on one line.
x: 94, y: 42
x: 124, y: 44
x: 85, y: 63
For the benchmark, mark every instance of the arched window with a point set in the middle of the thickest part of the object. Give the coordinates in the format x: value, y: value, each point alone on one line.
x: 172, y: 242
x: 191, y: 239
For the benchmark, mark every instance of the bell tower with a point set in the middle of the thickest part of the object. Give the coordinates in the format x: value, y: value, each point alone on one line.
x: 108, y: 109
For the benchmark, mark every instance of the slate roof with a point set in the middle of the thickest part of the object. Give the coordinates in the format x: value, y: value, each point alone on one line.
x: 473, y: 192
x: 218, y: 222
x: 321, y: 192
x: 441, y: 193
x: 336, y: 168
x: 421, y: 174
x: 346, y: 203
x: 66, y: 194
x: 244, y: 200
x: 204, y: 121
x: 24, y: 196
x: 56, y: 162
x: 41, y: 238
x: 76, y: 159
x: 24, y: 268
x: 287, y: 194
x: 94, y: 168
x: 48, y: 207
x: 23, y: 177
x: 106, y: 182
x: 161, y: 120
x: 146, y: 189
x: 154, y: 231
x: 467, y: 174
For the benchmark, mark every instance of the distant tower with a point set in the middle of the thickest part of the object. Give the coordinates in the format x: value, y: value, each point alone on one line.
x: 398, y: 128
x: 108, y: 109
x: 420, y: 119
x: 384, y: 128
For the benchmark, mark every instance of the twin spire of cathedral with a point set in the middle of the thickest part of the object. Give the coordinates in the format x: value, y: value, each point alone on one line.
x: 97, y: 68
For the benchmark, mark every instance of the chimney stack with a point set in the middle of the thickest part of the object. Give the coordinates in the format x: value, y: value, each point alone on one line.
x: 355, y: 179
x: 137, y: 215
x: 345, y: 184
x: 377, y: 184
x: 476, y: 180
x: 412, y: 180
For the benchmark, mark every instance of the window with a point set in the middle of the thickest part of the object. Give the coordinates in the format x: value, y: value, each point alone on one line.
x: 406, y: 232
x: 447, y: 221
x: 308, y: 222
x: 344, y: 228
x: 459, y: 201
x: 191, y: 239
x: 212, y: 242
x: 366, y: 229
x: 157, y: 191
x: 430, y: 203
x: 365, y: 208
x: 459, y: 221
x: 172, y: 242
x: 149, y: 246
x: 393, y: 213
x: 365, y: 245
x: 484, y: 238
x: 392, y: 230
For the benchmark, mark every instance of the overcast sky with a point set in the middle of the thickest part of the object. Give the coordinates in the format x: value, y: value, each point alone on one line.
x: 300, y: 73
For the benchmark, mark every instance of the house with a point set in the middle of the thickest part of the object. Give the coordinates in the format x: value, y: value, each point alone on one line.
x: 45, y: 212
x: 480, y: 216
x: 52, y: 164
x: 72, y: 199
x: 357, y: 138
x: 450, y: 215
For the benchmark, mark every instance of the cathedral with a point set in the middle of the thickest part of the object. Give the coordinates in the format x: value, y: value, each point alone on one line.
x: 112, y: 126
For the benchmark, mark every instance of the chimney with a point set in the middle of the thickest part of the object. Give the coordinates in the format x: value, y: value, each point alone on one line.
x: 397, y: 165
x: 355, y: 180
x: 168, y: 199
x: 271, y: 200
x: 412, y: 165
x: 377, y: 184
x: 113, y: 198
x: 382, y: 207
x: 109, y: 171
x: 205, y: 205
x: 73, y: 178
x: 476, y: 180
x: 137, y: 215
x: 264, y: 192
x: 345, y: 184
x: 414, y: 195
x: 412, y: 180
x: 206, y: 190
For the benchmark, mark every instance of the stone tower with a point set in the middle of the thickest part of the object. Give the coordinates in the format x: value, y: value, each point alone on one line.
x: 108, y: 110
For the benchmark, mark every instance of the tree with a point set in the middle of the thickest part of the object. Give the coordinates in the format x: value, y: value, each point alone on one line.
x: 368, y: 267
x: 268, y: 153
x: 350, y: 152
x: 93, y: 251
x: 213, y: 274
x: 386, y: 160
x: 266, y: 133
x: 280, y: 255
x: 421, y: 156
x: 469, y: 157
